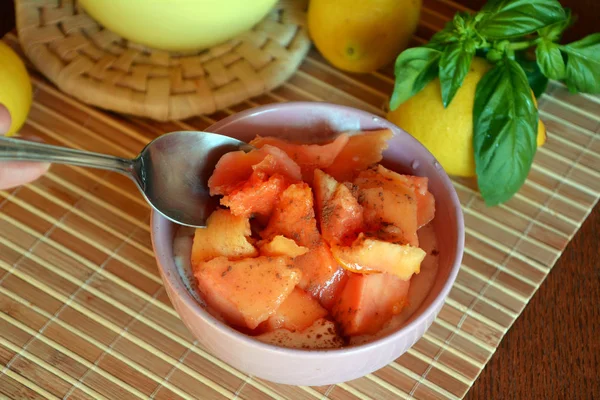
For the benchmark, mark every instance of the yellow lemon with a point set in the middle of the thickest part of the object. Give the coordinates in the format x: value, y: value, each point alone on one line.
x: 541, y: 133
x: 447, y: 132
x: 359, y: 35
x: 15, y: 87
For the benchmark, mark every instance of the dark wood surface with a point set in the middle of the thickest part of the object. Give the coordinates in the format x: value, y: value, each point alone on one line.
x: 553, y: 349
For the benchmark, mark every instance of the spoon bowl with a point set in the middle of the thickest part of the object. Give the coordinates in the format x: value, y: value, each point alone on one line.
x: 172, y: 171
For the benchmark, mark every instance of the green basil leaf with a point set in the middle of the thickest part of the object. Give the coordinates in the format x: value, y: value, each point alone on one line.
x: 538, y: 82
x: 550, y: 60
x: 554, y: 32
x: 444, y: 37
x: 504, y: 131
x: 494, y: 55
x: 461, y: 21
x: 505, y: 19
x: 491, y: 5
x: 436, y: 46
x: 583, y: 64
x: 414, y: 69
x: 454, y: 66
x: 453, y: 31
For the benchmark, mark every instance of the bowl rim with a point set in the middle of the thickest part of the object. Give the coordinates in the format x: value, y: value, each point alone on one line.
x: 177, y: 284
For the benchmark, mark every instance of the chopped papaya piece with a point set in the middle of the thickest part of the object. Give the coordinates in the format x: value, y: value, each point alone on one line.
x: 391, y: 215
x: 298, y: 311
x: 257, y: 196
x: 246, y: 292
x: 236, y: 167
x: 367, y: 255
x: 322, y: 276
x: 425, y: 201
x: 340, y: 215
x: 386, y: 203
x: 368, y: 302
x: 362, y: 151
x: 282, y: 246
x: 277, y: 161
x: 225, y: 235
x: 294, y: 217
x: 307, y: 156
x: 419, y: 184
x: 320, y: 335
x: 324, y: 187
x: 232, y: 169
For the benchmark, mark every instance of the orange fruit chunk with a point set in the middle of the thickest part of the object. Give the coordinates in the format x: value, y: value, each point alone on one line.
x: 368, y: 302
x: 236, y: 167
x: 299, y: 311
x: 362, y: 151
x: 225, y: 235
x: 389, y: 208
x: 281, y: 246
x: 255, y: 197
x: 322, y: 276
x: 425, y: 200
x: 307, y: 156
x: 340, y: 215
x: 294, y: 218
x: 246, y: 292
x: 367, y: 255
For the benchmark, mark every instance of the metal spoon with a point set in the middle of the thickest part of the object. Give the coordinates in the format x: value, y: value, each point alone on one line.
x: 172, y: 171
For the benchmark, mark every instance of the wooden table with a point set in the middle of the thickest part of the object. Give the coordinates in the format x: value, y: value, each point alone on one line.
x: 553, y: 350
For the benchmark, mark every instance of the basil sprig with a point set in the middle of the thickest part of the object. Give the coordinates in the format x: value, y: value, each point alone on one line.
x: 503, y: 106
x: 583, y: 64
x: 419, y: 66
x: 550, y: 60
x: 454, y: 65
x: 505, y: 118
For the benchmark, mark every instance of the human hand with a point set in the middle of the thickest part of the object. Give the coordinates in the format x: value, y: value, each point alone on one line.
x: 15, y: 173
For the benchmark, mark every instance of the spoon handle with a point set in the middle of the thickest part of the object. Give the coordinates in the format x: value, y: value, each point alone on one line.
x: 23, y: 150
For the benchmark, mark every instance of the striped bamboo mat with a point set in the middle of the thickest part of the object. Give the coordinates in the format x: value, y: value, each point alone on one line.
x: 83, y: 314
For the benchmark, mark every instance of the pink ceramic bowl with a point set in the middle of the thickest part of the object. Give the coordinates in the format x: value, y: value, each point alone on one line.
x: 318, y: 121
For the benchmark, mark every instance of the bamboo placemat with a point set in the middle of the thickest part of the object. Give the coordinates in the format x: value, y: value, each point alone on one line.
x: 83, y: 314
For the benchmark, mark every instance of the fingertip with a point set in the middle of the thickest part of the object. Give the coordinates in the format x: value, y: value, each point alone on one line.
x: 5, y: 120
x: 44, y: 167
x: 37, y: 170
x: 31, y: 138
x: 18, y: 173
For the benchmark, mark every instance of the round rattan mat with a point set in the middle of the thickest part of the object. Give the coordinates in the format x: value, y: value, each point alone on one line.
x: 101, y: 68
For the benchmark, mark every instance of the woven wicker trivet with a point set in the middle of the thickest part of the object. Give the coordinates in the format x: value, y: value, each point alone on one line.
x: 101, y: 68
